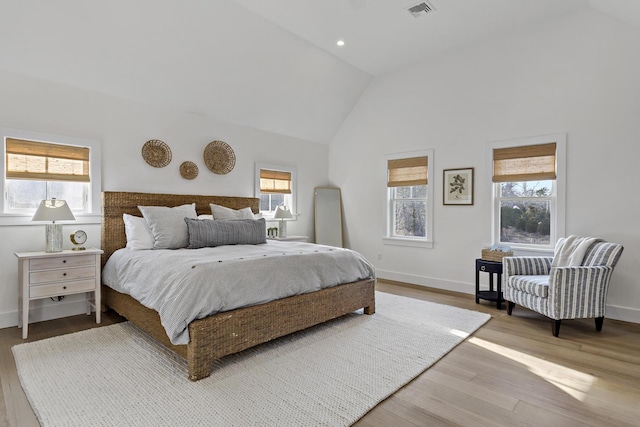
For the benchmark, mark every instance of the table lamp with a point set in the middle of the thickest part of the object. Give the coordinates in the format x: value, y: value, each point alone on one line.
x: 53, y: 210
x: 282, y: 213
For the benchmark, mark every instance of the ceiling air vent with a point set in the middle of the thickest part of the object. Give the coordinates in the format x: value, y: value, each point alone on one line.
x: 421, y: 9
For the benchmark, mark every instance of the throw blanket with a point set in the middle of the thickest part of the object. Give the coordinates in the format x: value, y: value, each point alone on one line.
x: 187, y: 284
x: 571, y: 251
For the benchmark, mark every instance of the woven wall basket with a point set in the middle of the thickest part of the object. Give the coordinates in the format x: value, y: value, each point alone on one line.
x: 156, y: 153
x: 219, y: 157
x: 188, y: 170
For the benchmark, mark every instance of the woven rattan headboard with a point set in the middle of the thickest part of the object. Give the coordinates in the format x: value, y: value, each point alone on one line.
x: 115, y: 203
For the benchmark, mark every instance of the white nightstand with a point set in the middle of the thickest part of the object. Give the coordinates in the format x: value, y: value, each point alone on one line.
x: 51, y: 274
x: 290, y: 238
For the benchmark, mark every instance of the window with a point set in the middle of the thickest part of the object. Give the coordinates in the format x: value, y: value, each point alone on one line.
x: 409, y: 199
x: 38, y: 167
x: 528, y: 192
x: 275, y: 186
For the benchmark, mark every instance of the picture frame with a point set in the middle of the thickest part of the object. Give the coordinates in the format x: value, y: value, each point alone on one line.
x: 458, y: 186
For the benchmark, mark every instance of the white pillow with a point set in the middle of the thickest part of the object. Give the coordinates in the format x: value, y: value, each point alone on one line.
x: 205, y: 216
x: 168, y: 226
x: 221, y: 212
x: 138, y: 233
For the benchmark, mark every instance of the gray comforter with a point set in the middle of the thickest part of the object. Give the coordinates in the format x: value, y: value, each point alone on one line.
x: 187, y: 284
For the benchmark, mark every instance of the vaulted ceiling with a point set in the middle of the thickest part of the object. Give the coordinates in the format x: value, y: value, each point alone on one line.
x: 269, y: 64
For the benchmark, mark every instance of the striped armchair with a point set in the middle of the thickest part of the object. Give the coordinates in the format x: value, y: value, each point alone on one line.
x: 562, y: 292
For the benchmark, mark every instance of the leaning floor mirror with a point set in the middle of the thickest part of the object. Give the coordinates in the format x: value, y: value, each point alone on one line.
x: 328, y: 216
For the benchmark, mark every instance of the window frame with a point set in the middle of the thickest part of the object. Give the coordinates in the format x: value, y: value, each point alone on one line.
x: 557, y: 199
x: 419, y: 242
x: 92, y: 215
x: 294, y: 186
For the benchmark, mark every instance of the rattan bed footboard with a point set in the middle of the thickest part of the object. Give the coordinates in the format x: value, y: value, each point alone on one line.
x: 232, y: 331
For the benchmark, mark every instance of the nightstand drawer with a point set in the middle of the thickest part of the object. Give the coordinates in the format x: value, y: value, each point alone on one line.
x: 61, y: 261
x: 43, y: 291
x: 62, y: 274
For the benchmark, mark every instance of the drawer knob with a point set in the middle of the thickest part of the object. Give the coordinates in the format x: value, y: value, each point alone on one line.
x: 64, y: 287
x: 64, y: 274
x: 64, y: 261
x: 483, y: 268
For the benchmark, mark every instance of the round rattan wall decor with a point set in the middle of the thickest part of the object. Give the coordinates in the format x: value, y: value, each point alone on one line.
x: 156, y: 153
x: 188, y: 170
x: 219, y: 157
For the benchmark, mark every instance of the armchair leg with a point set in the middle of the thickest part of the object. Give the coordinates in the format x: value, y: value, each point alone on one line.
x: 510, y: 306
x: 599, y: 322
x: 555, y: 327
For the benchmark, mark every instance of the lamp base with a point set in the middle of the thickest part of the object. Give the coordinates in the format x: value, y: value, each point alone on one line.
x: 54, y: 238
x: 282, y: 229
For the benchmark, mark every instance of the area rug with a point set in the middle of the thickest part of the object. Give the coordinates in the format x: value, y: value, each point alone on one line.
x: 330, y: 375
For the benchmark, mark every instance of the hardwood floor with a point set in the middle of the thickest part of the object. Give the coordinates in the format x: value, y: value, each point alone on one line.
x: 512, y: 371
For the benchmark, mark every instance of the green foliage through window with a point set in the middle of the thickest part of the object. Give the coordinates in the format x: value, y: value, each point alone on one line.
x: 525, y: 212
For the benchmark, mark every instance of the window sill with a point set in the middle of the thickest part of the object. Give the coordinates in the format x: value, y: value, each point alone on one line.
x: 413, y: 243
x: 528, y: 251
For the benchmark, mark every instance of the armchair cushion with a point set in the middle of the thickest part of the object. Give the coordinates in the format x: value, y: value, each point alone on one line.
x: 534, y: 285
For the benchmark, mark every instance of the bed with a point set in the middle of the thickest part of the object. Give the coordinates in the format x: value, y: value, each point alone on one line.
x: 228, y: 332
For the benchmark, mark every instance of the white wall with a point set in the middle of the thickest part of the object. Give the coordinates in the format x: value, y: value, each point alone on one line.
x: 578, y: 75
x: 123, y: 127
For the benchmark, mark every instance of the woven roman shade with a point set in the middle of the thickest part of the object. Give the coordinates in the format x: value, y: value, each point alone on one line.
x: 275, y: 182
x: 525, y: 163
x: 406, y: 172
x: 45, y: 161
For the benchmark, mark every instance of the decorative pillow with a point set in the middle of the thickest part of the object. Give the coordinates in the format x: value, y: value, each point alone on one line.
x: 138, y: 233
x: 221, y: 212
x: 205, y: 216
x: 167, y: 225
x: 208, y: 233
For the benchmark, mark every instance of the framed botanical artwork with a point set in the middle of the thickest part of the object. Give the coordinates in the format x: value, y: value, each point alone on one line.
x: 458, y: 186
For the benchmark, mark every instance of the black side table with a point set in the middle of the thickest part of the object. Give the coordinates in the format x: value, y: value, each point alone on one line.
x: 490, y: 267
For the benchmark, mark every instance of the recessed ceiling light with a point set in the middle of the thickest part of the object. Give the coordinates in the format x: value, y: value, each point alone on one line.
x: 340, y: 42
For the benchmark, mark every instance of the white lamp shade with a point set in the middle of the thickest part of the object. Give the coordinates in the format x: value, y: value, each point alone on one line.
x: 53, y: 210
x: 282, y: 213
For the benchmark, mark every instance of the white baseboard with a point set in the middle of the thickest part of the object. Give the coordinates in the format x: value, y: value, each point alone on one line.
x: 432, y: 282
x: 45, y: 312
x: 625, y: 314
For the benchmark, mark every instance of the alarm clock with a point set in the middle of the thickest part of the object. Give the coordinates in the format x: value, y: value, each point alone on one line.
x: 78, y: 237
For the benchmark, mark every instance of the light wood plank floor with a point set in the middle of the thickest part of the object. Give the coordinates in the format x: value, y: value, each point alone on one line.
x: 510, y: 372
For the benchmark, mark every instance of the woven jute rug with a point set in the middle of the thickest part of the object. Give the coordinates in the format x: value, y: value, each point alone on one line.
x: 330, y: 375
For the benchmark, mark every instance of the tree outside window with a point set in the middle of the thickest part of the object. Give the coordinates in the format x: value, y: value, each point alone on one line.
x: 525, y: 212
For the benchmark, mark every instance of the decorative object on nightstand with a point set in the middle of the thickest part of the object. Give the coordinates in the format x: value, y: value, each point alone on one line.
x: 45, y: 275
x: 78, y: 237
x: 282, y: 213
x: 53, y: 210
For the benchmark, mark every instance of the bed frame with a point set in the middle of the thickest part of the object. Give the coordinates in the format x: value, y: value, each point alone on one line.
x: 232, y: 331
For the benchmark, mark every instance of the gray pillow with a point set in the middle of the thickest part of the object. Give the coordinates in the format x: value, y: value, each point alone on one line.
x: 208, y: 233
x: 222, y: 212
x: 167, y: 225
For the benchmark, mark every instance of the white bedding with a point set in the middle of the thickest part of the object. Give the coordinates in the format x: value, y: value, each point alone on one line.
x: 187, y: 284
